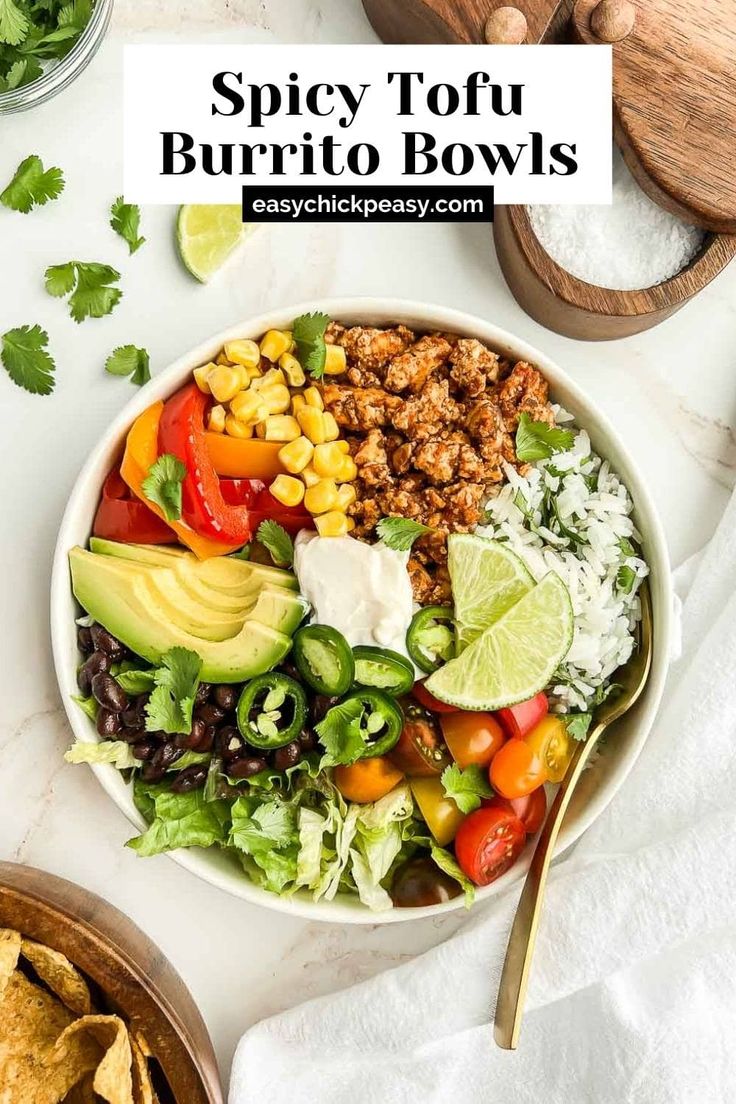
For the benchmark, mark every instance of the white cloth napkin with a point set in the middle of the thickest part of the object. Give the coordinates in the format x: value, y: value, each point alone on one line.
x: 633, y: 994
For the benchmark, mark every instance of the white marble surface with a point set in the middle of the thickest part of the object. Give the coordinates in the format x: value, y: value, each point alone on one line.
x: 671, y: 393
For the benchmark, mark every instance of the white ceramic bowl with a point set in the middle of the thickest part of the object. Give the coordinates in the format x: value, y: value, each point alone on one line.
x: 610, y: 770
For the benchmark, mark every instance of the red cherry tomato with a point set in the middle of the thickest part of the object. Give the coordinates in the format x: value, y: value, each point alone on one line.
x: 516, y: 770
x: 521, y: 718
x: 429, y: 701
x: 488, y: 843
x: 530, y: 809
x: 472, y: 737
x: 420, y: 751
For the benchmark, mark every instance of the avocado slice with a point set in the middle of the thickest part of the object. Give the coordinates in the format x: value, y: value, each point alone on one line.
x: 120, y: 596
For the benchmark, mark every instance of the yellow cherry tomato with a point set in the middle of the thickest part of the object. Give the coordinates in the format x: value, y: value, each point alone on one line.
x: 552, y: 743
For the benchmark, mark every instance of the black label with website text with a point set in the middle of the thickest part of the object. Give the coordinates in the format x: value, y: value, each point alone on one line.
x: 368, y: 204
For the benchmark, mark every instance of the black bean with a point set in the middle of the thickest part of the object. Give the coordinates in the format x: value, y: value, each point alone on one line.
x: 209, y: 713
x: 131, y: 717
x: 226, y: 697
x: 162, y: 758
x: 108, y: 723
x: 146, y: 749
x: 319, y: 706
x: 230, y: 744
x: 191, y: 778
x: 307, y: 740
x: 152, y: 771
x: 191, y: 739
x: 109, y: 693
x: 133, y: 735
x: 203, y: 693
x: 96, y: 663
x: 287, y: 756
x: 291, y: 670
x: 106, y: 642
x: 84, y: 640
x: 244, y: 768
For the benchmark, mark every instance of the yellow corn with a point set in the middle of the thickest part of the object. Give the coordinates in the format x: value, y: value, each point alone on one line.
x: 332, y: 430
x: 224, y: 383
x: 260, y: 429
x: 292, y: 369
x: 235, y: 428
x: 254, y: 373
x: 347, y: 470
x: 296, y: 455
x: 248, y: 407
x: 216, y: 420
x: 312, y: 424
x: 321, y: 497
x: 335, y: 361
x: 222, y: 359
x: 333, y: 524
x: 343, y: 446
x: 310, y: 476
x: 276, y: 398
x: 275, y: 343
x: 269, y: 379
x: 281, y: 427
x: 346, y: 496
x: 243, y: 352
x: 327, y: 460
x: 297, y: 403
x: 313, y: 397
x: 287, y: 489
x: 201, y: 377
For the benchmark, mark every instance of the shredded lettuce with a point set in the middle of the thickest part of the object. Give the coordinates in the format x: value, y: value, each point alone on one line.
x: 116, y: 752
x: 179, y: 820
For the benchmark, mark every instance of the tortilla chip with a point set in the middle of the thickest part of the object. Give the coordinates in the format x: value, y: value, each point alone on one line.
x: 32, y: 1020
x: 83, y: 1093
x: 141, y: 1042
x: 56, y: 971
x: 143, y: 1091
x: 93, y: 1043
x: 9, y: 951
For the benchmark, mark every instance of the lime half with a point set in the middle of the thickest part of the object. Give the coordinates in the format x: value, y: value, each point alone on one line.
x: 516, y: 657
x: 487, y: 580
x: 206, y: 235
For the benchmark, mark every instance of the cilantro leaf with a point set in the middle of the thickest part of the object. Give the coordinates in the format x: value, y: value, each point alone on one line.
x: 32, y: 185
x: 538, y: 441
x: 241, y: 553
x: 578, y: 724
x: 340, y: 733
x: 127, y: 360
x: 400, y: 533
x: 466, y: 787
x: 23, y: 353
x: 169, y: 708
x: 309, y: 335
x: 627, y: 547
x: 270, y: 825
x: 21, y: 72
x: 125, y: 221
x: 625, y: 579
x: 162, y: 485
x: 14, y: 24
x: 278, y: 542
x: 88, y: 285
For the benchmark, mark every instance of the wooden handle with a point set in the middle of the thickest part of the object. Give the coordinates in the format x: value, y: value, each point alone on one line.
x: 451, y: 21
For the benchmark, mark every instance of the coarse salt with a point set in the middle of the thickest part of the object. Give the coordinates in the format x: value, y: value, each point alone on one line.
x: 627, y: 245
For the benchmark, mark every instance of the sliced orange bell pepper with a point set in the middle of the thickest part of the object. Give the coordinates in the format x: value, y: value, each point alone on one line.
x: 141, y: 451
x: 244, y: 458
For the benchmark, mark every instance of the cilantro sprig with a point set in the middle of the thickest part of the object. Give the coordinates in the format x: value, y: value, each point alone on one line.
x: 466, y: 787
x: 128, y: 360
x: 32, y: 185
x: 88, y: 285
x: 26, y: 359
x: 125, y: 220
x: 309, y: 337
x: 277, y: 541
x: 170, y: 706
x: 162, y: 485
x: 341, y: 733
x: 400, y: 533
x: 32, y: 33
x: 538, y: 441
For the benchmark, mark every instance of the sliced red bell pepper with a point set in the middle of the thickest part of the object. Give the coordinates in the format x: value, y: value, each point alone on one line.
x: 254, y: 494
x: 121, y: 517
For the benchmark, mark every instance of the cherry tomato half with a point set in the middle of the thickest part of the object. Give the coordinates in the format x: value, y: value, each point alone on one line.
x: 516, y: 770
x: 439, y: 811
x: 472, y: 737
x: 429, y: 701
x: 419, y: 881
x: 552, y: 743
x: 530, y: 809
x: 367, y: 780
x: 488, y: 843
x: 521, y: 718
x: 420, y: 750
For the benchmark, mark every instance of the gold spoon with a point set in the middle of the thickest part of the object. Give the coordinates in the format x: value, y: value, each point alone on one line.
x: 517, y: 965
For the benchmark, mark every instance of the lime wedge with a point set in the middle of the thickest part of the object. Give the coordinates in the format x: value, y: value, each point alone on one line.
x: 516, y: 657
x: 487, y: 580
x: 206, y: 235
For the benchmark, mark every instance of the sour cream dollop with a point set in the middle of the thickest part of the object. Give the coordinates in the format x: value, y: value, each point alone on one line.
x: 362, y: 590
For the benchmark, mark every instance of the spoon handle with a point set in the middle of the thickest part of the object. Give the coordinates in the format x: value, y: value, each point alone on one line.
x: 520, y: 950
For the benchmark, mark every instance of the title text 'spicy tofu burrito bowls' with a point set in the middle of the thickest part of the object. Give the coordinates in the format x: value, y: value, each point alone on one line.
x: 347, y: 584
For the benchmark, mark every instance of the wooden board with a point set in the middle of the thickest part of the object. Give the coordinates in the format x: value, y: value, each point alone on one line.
x: 674, y: 90
x: 449, y: 21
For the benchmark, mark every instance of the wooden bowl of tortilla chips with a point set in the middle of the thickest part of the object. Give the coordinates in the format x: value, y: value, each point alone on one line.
x: 90, y: 1010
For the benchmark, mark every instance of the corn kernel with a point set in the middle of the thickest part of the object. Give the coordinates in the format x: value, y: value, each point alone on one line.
x: 332, y: 430
x: 292, y: 369
x: 297, y: 403
x: 222, y: 359
x: 260, y: 430
x: 310, y: 476
x: 335, y: 361
x: 343, y: 446
x: 351, y: 524
x: 275, y: 343
x: 276, y: 398
x: 280, y: 427
x: 216, y: 420
x: 333, y: 524
x: 224, y: 383
x: 312, y: 424
x: 254, y: 373
x: 296, y: 455
x: 347, y: 470
x: 313, y: 397
x: 321, y: 497
x: 235, y: 428
x: 327, y: 460
x: 248, y: 407
x: 287, y: 489
x: 243, y: 352
x: 269, y: 379
x: 201, y: 376
x: 346, y: 496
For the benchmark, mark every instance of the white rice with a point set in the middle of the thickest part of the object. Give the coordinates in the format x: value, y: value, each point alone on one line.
x: 573, y: 519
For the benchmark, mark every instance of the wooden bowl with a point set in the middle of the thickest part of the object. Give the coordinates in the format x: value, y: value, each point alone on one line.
x: 567, y: 305
x: 129, y: 969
